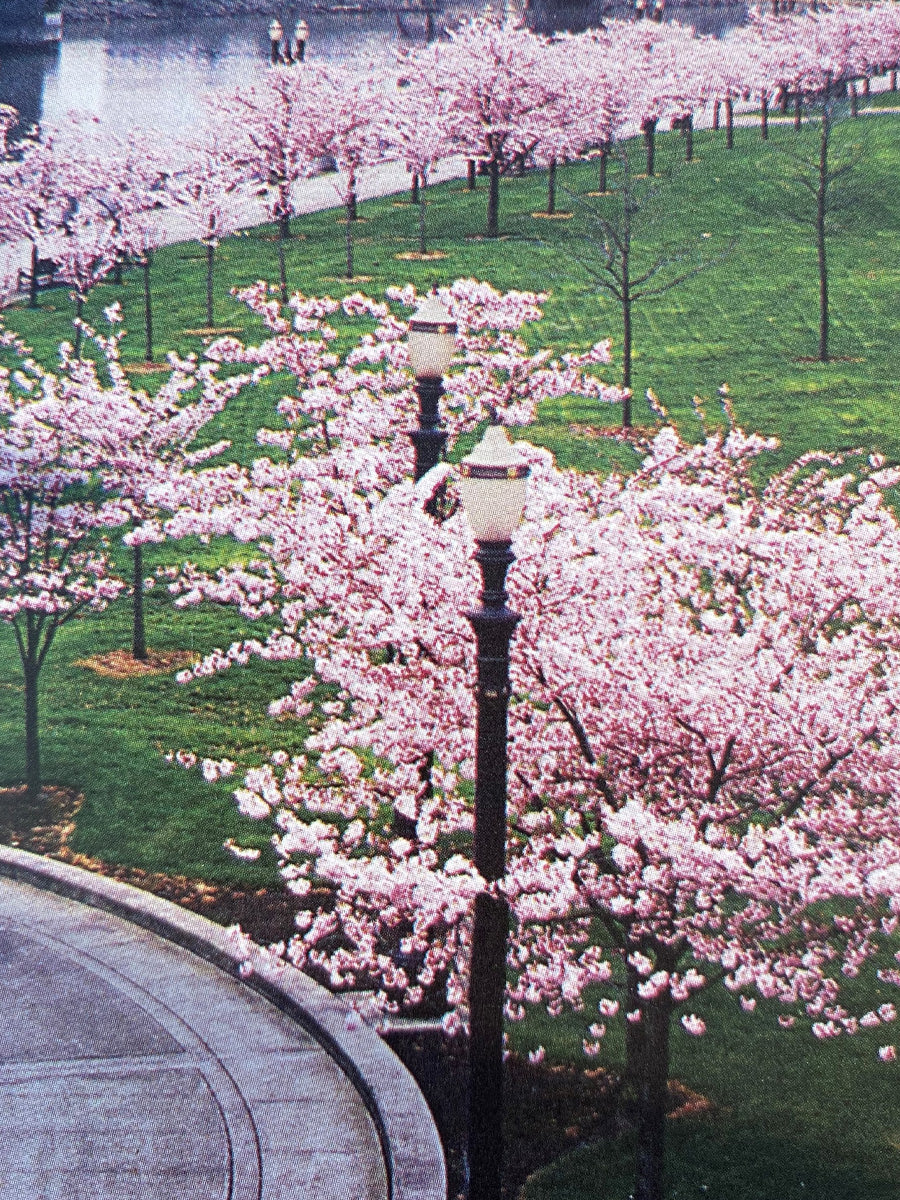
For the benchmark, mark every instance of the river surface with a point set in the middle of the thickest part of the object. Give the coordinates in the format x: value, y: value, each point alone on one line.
x: 153, y: 73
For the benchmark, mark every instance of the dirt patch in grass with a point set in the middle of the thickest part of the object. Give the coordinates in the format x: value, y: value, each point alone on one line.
x: 557, y: 216
x: 418, y: 256
x: 121, y: 664
x: 214, y: 330
x: 43, y: 824
x: 146, y: 368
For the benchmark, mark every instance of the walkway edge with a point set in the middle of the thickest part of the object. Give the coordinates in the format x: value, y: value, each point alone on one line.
x: 413, y: 1156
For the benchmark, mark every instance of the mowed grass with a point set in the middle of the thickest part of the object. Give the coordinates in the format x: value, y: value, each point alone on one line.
x: 794, y: 1117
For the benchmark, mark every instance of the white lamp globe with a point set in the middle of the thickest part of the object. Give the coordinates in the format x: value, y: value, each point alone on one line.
x: 432, y: 339
x: 492, y: 486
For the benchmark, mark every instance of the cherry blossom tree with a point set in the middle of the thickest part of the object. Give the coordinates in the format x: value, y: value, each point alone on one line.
x: 37, y: 187
x: 54, y: 564
x: 346, y: 122
x: 145, y: 448
x: 493, y: 77
x: 83, y: 251
x: 265, y: 129
x: 704, y: 750
x: 209, y: 195
x: 418, y: 130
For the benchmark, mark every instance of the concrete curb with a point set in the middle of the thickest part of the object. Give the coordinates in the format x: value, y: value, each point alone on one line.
x: 413, y: 1156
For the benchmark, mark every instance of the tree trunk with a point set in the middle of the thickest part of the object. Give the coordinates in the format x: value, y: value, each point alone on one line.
x: 821, y: 208
x: 32, y: 281
x: 798, y: 111
x: 716, y: 107
x: 422, y: 247
x: 649, y: 130
x: 79, y: 309
x: 783, y: 99
x: 729, y: 124
x: 138, y: 638
x: 117, y: 271
x: 210, y: 258
x: 282, y: 265
x: 854, y: 100
x: 32, y: 745
x: 866, y: 89
x: 626, y: 339
x: 351, y: 202
x: 551, y: 188
x: 893, y: 81
x: 148, y: 310
x: 414, y: 189
x: 351, y: 217
x: 284, y: 226
x: 689, y: 138
x: 764, y: 116
x: 651, y: 1099
x: 604, y: 160
x: 493, y: 209
x: 470, y: 175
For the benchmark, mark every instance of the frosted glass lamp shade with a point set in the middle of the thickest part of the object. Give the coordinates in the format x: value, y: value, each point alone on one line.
x: 492, y: 486
x: 432, y: 339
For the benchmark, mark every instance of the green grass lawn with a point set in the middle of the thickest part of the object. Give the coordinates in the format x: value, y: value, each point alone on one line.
x: 794, y: 1117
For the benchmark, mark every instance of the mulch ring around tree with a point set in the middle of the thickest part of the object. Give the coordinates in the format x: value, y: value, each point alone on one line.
x: 121, y: 664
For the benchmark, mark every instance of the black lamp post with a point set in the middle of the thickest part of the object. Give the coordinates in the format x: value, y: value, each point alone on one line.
x: 432, y: 340
x: 492, y: 485
x: 301, y: 37
x: 275, y: 34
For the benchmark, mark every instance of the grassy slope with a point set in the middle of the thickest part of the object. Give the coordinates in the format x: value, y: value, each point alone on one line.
x: 807, y: 1119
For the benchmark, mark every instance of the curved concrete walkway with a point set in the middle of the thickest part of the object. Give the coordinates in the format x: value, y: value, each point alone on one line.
x: 132, y: 1068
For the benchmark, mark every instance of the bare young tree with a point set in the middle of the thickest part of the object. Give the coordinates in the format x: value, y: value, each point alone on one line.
x: 607, y: 243
x: 813, y: 201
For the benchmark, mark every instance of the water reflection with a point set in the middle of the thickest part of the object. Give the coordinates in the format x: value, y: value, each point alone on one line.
x: 154, y: 73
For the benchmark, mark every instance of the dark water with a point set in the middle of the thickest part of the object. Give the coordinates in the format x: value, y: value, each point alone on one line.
x: 153, y: 73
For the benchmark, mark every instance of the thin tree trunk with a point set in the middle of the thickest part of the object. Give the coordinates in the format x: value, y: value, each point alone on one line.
x: 783, y: 100
x: 716, y: 107
x: 821, y: 203
x: 351, y: 217
x: 689, y: 138
x: 729, y: 124
x: 284, y: 226
x: 282, y: 265
x: 148, y: 309
x: 471, y: 176
x: 493, y: 210
x: 798, y: 111
x: 649, y: 129
x: 32, y: 744
x: 854, y: 101
x: 422, y: 247
x: 117, y: 271
x: 414, y: 189
x: 604, y: 160
x: 32, y: 282
x: 210, y: 258
x: 138, y: 639
x: 651, y: 1099
x: 893, y: 81
x: 551, y: 188
x: 866, y: 89
x: 764, y: 116
x: 79, y: 309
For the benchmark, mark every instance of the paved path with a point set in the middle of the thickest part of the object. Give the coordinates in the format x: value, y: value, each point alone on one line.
x: 132, y: 1069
